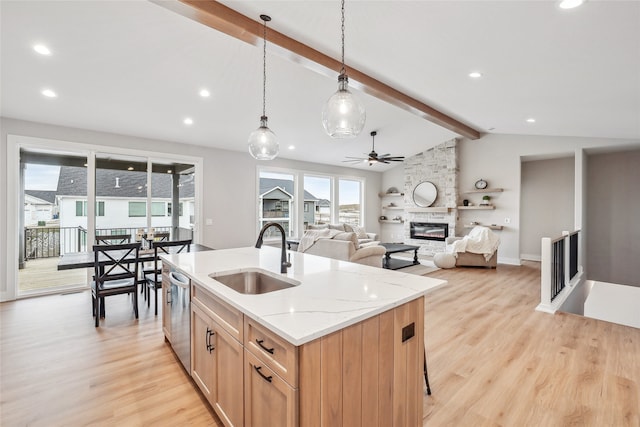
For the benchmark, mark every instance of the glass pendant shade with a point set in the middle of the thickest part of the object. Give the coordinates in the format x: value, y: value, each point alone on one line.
x: 343, y: 115
x: 263, y: 144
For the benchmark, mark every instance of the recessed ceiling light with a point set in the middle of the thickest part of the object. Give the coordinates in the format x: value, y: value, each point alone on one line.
x: 188, y: 121
x: 205, y: 93
x: 130, y: 168
x: 292, y: 147
x: 49, y: 93
x: 531, y: 120
x: 475, y: 75
x: 42, y: 49
x: 570, y: 4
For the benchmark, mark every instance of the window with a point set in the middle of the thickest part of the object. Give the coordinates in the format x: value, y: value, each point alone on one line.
x: 349, y: 205
x: 180, y: 209
x: 323, y: 199
x: 137, y: 209
x: 157, y: 209
x: 317, y: 193
x: 81, y: 208
x: 276, y: 194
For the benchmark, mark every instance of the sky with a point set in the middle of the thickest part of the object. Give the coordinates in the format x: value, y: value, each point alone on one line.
x: 41, y: 177
x: 321, y: 188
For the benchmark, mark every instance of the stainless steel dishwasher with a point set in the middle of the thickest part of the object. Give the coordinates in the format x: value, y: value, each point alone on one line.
x: 181, y: 317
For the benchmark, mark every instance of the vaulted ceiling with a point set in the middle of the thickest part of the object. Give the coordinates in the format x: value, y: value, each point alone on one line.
x: 136, y: 67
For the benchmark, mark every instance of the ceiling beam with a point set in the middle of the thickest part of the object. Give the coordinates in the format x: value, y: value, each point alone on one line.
x: 228, y: 21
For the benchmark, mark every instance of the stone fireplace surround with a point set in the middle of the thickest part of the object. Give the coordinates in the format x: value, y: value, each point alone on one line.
x: 438, y: 165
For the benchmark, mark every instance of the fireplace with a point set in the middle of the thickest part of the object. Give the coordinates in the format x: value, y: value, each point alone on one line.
x: 429, y: 231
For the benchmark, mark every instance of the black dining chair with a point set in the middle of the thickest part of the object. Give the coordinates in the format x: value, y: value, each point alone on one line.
x: 153, y: 278
x: 113, y: 239
x: 116, y: 272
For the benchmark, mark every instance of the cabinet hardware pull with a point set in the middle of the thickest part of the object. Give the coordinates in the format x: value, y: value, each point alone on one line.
x: 268, y: 350
x: 210, y: 333
x: 267, y: 378
x: 168, y: 295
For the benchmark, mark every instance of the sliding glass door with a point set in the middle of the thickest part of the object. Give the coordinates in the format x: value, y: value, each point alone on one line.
x: 69, y: 200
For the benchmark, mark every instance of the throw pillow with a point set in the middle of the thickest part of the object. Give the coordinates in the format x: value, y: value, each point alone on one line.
x: 317, y: 226
x: 337, y: 227
x: 348, y: 227
x: 351, y: 237
x: 360, y: 232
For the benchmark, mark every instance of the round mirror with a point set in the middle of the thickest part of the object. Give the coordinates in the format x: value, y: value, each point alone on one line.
x: 425, y: 194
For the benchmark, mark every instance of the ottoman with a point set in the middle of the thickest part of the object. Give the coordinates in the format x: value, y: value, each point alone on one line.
x: 444, y: 260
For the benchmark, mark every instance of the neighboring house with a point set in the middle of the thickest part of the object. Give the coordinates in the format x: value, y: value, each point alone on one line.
x: 39, y: 205
x: 323, y: 211
x: 276, y: 202
x: 122, y: 199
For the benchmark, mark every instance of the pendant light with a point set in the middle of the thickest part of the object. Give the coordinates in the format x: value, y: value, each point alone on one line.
x: 343, y: 115
x: 262, y: 141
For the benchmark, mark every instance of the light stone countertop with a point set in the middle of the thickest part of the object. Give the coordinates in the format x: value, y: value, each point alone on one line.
x: 332, y: 294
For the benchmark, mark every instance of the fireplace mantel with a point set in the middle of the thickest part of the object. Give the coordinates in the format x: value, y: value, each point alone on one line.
x: 436, y: 209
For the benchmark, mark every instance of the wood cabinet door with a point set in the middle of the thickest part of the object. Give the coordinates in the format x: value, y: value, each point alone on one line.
x: 228, y: 377
x: 202, y: 362
x: 268, y: 399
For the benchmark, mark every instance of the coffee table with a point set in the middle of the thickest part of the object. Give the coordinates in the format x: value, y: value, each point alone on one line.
x: 394, y: 263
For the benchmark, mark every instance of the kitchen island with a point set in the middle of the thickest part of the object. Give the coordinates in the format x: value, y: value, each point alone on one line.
x: 342, y: 346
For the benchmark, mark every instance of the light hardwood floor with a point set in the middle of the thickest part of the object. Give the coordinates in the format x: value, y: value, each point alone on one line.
x: 493, y: 360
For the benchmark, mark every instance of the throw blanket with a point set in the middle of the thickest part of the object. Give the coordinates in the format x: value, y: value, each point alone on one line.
x: 481, y: 240
x: 311, y: 236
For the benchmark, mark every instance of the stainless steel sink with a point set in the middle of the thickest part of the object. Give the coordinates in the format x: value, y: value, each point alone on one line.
x: 254, y: 282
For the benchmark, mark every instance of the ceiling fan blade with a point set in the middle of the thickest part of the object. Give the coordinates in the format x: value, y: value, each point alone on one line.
x: 354, y: 161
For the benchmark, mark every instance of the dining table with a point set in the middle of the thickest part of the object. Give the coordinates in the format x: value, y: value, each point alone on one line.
x: 86, y: 259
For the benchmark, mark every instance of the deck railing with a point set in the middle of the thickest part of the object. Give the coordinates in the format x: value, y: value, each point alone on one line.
x: 46, y: 242
x: 559, y: 268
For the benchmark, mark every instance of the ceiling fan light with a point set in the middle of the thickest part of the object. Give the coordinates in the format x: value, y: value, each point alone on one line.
x: 343, y: 115
x: 263, y: 144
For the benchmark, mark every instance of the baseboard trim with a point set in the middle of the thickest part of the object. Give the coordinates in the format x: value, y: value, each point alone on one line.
x: 531, y: 257
x: 509, y: 261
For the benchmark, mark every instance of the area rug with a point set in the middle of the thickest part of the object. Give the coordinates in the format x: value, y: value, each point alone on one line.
x: 425, y: 267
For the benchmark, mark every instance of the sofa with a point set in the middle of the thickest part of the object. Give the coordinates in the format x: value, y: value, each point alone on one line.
x: 344, y: 246
x: 361, y: 234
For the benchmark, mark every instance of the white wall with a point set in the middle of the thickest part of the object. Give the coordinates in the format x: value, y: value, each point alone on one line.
x: 229, y: 196
x: 546, y: 202
x: 497, y: 159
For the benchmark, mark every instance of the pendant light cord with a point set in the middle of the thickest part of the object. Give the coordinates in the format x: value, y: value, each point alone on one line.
x: 342, y: 70
x: 264, y: 68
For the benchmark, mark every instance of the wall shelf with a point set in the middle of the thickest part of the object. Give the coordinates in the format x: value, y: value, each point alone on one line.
x: 493, y: 227
x: 393, y: 208
x: 390, y: 194
x: 486, y: 190
x: 476, y: 207
x: 390, y: 221
x: 437, y: 209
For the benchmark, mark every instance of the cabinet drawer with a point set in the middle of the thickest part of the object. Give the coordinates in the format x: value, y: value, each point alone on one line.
x: 228, y: 317
x: 278, y: 354
x: 268, y: 399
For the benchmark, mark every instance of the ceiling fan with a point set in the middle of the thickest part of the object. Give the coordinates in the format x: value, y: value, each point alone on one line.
x: 374, y: 157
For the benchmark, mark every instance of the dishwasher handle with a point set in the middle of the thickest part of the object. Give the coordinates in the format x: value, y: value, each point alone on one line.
x: 180, y: 280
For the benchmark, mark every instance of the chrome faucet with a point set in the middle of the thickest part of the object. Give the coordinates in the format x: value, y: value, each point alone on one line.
x: 283, y: 259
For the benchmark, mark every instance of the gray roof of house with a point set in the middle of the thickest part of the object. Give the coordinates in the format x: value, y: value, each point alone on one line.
x: 267, y: 184
x: 46, y: 195
x: 72, y: 181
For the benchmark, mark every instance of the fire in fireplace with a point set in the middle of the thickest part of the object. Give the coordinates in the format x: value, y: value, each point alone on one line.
x: 429, y: 231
